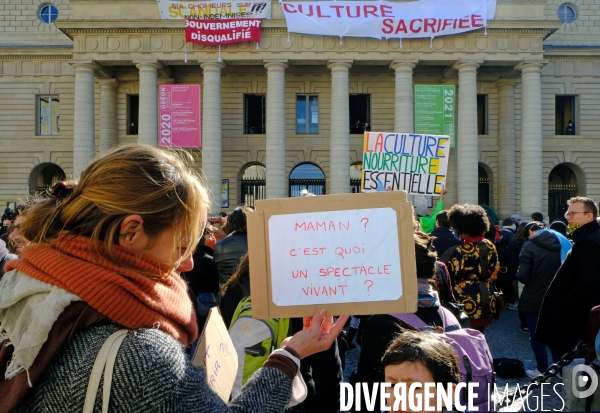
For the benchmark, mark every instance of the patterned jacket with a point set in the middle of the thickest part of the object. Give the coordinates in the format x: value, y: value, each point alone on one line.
x: 152, y: 374
x: 470, y: 266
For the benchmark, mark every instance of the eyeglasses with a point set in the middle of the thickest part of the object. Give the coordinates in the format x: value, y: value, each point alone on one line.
x: 571, y: 214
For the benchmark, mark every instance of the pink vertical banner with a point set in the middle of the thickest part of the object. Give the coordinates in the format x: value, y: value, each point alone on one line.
x: 179, y: 116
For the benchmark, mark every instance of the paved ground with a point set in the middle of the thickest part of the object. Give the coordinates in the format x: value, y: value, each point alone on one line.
x: 504, y: 341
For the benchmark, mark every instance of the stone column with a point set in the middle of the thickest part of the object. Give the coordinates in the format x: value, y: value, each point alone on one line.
x: 108, y: 114
x: 212, y: 146
x: 84, y: 147
x: 339, y: 152
x: 506, y: 148
x: 148, y: 118
x: 275, y: 133
x: 467, y: 152
x: 403, y: 98
x: 531, y: 139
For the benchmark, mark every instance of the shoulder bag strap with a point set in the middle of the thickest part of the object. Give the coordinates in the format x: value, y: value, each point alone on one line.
x: 105, y: 362
x: 412, y: 320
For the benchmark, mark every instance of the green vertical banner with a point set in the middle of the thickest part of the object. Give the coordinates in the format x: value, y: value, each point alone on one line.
x: 435, y: 110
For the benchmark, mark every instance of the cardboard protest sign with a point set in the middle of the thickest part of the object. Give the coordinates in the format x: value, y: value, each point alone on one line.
x: 216, y: 354
x: 350, y: 254
x: 409, y: 162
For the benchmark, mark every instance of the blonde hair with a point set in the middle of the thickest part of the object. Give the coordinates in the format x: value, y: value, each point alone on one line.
x: 129, y: 180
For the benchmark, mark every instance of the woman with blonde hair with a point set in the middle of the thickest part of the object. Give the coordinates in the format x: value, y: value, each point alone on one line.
x: 106, y: 254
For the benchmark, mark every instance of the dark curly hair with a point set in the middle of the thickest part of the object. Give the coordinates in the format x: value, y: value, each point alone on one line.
x: 468, y: 219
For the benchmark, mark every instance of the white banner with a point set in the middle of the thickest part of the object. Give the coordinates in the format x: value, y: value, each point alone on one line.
x: 384, y: 19
x: 214, y: 10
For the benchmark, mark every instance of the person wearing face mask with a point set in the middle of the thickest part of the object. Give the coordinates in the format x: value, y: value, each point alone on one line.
x: 575, y: 289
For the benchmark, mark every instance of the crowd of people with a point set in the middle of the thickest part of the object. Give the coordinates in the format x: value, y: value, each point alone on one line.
x: 130, y: 245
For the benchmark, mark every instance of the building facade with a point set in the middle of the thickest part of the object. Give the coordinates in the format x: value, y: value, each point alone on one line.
x: 79, y: 76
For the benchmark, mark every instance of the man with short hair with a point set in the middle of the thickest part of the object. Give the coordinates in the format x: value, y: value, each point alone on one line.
x: 444, y: 238
x: 537, y: 216
x: 575, y: 289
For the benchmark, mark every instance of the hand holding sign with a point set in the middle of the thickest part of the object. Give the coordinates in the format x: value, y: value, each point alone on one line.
x: 318, y: 334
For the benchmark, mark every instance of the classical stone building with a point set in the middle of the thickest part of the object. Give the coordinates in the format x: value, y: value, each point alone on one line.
x: 79, y: 76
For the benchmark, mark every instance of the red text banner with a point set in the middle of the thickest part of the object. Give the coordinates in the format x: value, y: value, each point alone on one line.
x: 224, y: 31
x: 383, y: 19
x: 179, y: 112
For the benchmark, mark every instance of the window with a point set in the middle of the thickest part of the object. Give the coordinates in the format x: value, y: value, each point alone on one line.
x: 47, y: 13
x: 355, y: 177
x: 565, y: 114
x: 48, y: 111
x: 566, y: 13
x: 307, y: 179
x: 255, y: 114
x: 360, y: 113
x: 307, y: 114
x: 482, y: 124
x: 254, y: 184
x: 133, y: 112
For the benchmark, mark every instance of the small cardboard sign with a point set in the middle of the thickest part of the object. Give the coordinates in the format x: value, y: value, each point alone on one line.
x: 350, y: 254
x: 216, y: 354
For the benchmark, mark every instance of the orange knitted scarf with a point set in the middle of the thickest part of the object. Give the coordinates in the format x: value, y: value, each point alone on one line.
x: 124, y: 294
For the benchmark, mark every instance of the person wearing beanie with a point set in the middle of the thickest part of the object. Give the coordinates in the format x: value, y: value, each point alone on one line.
x: 559, y: 227
x: 516, y: 218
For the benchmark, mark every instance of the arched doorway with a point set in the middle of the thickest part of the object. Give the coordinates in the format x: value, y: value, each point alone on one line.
x: 355, y: 177
x: 484, y: 187
x: 44, y: 176
x: 562, y: 185
x: 254, y: 184
x: 307, y: 176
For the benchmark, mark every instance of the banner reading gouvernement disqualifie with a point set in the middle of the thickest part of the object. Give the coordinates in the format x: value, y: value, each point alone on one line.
x: 214, y: 10
x: 411, y: 162
x: 222, y: 31
x: 383, y: 19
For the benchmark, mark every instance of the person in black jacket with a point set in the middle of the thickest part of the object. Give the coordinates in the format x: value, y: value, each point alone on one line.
x: 444, y: 237
x: 229, y: 252
x: 575, y: 289
x: 540, y: 259
x: 203, y: 281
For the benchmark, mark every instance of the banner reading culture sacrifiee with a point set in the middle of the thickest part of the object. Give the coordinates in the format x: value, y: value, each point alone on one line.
x: 384, y: 19
x: 214, y: 10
